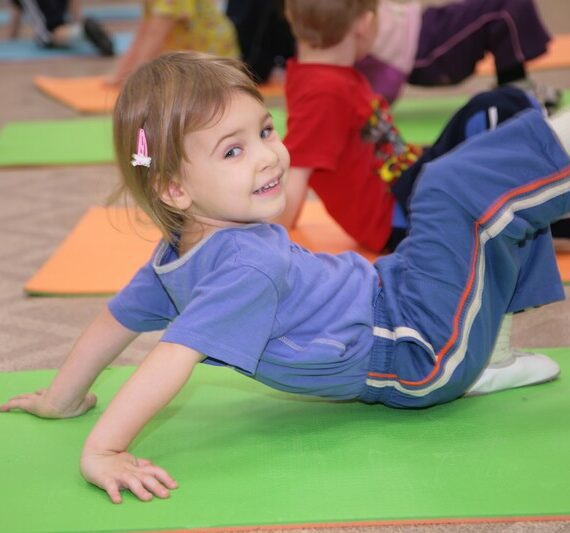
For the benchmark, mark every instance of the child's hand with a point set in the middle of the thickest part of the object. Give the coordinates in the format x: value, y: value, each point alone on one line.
x: 113, y: 471
x: 38, y: 404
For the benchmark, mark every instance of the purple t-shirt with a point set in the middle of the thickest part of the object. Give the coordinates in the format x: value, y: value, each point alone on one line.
x: 251, y: 299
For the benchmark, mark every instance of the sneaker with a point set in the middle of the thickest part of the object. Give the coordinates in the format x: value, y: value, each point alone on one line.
x: 548, y: 97
x: 98, y: 37
x: 509, y: 368
x: 518, y: 371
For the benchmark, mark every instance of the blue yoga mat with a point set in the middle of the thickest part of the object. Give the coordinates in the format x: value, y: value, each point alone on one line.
x: 28, y: 50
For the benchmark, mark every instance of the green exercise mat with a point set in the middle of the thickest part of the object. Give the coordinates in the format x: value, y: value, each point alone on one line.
x: 245, y: 455
x: 88, y: 140
x: 56, y: 142
x: 67, y: 142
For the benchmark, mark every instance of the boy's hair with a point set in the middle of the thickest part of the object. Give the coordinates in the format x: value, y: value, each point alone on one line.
x: 324, y: 23
x: 176, y: 94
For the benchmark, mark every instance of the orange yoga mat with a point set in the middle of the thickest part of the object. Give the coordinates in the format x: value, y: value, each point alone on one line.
x: 91, y: 95
x: 557, y: 56
x: 108, y: 245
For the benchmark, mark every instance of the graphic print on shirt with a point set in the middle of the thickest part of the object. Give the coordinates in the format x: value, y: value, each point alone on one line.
x: 394, y: 154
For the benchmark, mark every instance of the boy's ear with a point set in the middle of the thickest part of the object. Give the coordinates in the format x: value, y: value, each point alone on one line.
x: 363, y: 25
x: 175, y: 195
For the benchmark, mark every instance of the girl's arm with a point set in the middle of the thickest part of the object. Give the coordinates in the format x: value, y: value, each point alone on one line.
x: 150, y: 38
x: 105, y: 461
x: 67, y: 396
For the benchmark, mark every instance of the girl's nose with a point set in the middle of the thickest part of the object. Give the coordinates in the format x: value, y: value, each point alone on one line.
x: 268, y: 156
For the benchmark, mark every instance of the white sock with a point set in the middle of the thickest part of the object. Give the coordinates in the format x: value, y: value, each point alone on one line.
x: 560, y: 124
x: 502, y: 350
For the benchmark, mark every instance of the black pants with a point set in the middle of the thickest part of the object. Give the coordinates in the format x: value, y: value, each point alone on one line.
x: 263, y: 33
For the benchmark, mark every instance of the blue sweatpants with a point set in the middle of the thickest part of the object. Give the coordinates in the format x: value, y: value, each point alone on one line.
x: 479, y: 246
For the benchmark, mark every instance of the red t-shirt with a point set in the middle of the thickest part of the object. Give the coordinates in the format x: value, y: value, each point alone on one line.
x: 338, y: 127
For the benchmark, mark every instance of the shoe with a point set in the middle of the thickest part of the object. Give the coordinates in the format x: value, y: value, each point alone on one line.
x: 98, y: 37
x: 548, y: 97
x: 509, y: 368
x: 518, y: 371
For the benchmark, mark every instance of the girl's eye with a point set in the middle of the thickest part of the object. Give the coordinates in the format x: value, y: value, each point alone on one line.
x: 267, y: 131
x: 232, y: 152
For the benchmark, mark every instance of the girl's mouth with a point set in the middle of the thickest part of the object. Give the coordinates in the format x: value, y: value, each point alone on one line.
x: 268, y: 186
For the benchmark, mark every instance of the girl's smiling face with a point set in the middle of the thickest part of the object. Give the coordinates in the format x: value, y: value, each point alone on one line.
x: 236, y: 169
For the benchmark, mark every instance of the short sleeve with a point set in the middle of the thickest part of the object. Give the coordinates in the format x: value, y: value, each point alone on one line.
x: 144, y: 304
x: 173, y: 8
x: 230, y: 317
x: 317, y: 131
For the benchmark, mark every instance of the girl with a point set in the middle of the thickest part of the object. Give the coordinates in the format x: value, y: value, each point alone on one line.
x: 198, y: 152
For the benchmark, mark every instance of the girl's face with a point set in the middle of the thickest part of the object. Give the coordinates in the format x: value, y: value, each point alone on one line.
x: 237, y: 167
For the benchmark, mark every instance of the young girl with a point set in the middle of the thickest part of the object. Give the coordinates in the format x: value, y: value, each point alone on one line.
x: 198, y: 152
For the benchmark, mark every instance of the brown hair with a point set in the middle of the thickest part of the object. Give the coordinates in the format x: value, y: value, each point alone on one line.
x: 175, y: 94
x: 324, y: 23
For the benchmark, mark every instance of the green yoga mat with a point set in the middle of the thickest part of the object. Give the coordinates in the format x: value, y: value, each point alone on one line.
x: 88, y: 140
x: 56, y: 142
x: 67, y: 142
x: 245, y: 455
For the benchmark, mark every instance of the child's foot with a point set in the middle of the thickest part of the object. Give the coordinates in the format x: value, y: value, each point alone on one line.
x: 509, y: 368
x: 519, y: 370
x: 98, y: 37
x: 548, y: 97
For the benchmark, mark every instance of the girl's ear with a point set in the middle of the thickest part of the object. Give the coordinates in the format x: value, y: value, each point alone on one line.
x: 175, y: 195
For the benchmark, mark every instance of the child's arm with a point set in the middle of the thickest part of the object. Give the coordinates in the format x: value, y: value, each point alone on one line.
x: 149, y: 41
x: 67, y: 396
x: 297, y: 188
x: 105, y: 461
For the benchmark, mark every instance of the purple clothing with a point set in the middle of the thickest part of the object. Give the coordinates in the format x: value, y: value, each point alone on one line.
x: 455, y: 37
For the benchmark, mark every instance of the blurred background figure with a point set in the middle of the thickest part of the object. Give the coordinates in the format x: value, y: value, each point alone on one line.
x: 58, y: 24
x: 169, y: 25
x: 442, y: 45
x: 264, y: 36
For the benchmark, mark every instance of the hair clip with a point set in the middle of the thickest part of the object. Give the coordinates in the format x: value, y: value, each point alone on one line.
x: 141, y: 158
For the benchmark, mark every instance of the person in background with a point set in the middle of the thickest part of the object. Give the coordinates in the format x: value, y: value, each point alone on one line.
x: 58, y: 24
x: 169, y: 25
x: 441, y: 45
x: 265, y: 38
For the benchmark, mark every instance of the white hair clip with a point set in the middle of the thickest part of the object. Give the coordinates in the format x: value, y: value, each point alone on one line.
x: 141, y: 158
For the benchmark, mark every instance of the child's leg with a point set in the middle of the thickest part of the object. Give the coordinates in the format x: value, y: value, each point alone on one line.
x: 46, y: 17
x: 474, y: 253
x: 456, y: 36
x: 483, y: 112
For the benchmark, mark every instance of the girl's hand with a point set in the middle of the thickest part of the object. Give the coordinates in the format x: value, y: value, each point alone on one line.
x: 38, y: 404
x: 113, y: 471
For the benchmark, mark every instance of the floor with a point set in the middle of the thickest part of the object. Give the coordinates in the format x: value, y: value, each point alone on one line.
x: 39, y: 206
